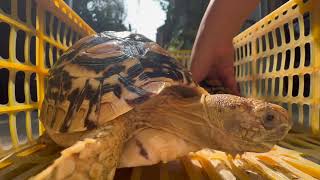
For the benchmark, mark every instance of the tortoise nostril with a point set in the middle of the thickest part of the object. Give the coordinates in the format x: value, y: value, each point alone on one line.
x: 283, y: 128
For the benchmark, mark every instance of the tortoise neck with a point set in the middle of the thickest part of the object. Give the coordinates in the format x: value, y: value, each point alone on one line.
x: 185, y: 117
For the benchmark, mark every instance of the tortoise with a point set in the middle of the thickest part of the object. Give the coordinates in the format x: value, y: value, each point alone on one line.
x: 117, y: 99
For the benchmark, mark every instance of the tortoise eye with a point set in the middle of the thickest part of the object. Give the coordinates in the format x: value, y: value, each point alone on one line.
x: 269, y: 117
x: 269, y: 122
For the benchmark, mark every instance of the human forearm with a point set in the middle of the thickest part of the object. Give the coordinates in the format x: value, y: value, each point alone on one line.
x: 221, y: 22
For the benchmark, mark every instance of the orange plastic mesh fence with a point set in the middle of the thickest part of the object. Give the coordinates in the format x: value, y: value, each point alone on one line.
x: 183, y: 56
x: 34, y: 35
x: 37, y: 32
x: 278, y: 59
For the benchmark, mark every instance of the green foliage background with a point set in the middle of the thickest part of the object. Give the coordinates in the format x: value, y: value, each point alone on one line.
x: 102, y: 15
x: 181, y: 25
x: 178, y: 32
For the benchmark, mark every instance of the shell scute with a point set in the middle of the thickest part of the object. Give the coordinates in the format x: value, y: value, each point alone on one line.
x: 104, y: 76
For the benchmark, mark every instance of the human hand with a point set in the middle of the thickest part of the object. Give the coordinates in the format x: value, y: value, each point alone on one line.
x: 219, y: 69
x: 212, y: 53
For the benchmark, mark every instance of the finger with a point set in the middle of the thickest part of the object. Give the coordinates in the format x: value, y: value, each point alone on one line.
x: 229, y: 81
x: 199, y: 71
x: 227, y: 75
x: 232, y: 84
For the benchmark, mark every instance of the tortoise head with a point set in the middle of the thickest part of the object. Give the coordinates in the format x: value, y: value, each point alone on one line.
x: 246, y: 125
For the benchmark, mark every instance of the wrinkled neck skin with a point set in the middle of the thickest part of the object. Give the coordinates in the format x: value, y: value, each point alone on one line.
x: 187, y: 118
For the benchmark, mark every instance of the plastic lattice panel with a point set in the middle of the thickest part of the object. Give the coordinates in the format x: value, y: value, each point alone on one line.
x: 279, y: 163
x: 183, y: 56
x: 33, y: 35
x: 277, y: 59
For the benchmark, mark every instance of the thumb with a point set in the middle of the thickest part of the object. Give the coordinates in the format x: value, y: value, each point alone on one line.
x: 229, y: 81
x: 199, y: 71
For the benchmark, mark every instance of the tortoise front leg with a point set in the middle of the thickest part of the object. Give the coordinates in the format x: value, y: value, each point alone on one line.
x: 95, y: 157
x: 45, y: 139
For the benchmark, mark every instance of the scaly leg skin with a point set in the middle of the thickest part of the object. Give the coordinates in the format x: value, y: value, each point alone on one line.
x: 45, y: 139
x: 95, y: 157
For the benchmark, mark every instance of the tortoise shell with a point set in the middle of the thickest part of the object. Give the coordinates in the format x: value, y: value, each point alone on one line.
x: 108, y: 73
